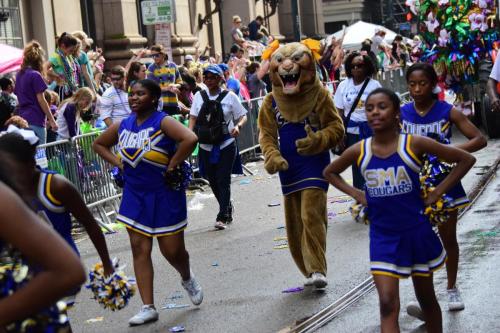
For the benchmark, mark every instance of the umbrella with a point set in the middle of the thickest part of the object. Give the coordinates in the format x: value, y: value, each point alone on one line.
x: 10, y: 59
x: 356, y: 33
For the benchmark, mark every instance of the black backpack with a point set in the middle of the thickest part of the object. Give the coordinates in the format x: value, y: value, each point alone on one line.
x: 211, y: 128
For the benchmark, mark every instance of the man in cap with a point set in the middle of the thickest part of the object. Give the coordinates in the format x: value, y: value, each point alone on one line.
x: 217, y: 160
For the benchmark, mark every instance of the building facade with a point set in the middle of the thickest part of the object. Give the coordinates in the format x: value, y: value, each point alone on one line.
x: 389, y: 13
x: 116, y: 25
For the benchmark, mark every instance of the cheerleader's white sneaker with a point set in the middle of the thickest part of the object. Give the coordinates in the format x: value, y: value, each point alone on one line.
x: 455, y: 302
x: 147, y: 314
x: 193, y: 289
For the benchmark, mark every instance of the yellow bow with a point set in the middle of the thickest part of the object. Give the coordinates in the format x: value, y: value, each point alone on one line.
x: 268, y: 52
x: 314, y: 46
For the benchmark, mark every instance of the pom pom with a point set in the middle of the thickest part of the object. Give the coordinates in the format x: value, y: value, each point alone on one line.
x: 359, y: 213
x: 112, y: 292
x: 117, y: 175
x: 14, y: 275
x: 432, y: 173
x: 179, y: 178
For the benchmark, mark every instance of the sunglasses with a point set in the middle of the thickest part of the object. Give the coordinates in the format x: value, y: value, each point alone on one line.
x: 358, y: 66
x: 156, y: 55
x: 210, y: 77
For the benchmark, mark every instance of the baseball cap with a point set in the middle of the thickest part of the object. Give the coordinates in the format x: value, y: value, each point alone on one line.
x: 214, y: 69
x: 223, y: 67
x: 188, y: 57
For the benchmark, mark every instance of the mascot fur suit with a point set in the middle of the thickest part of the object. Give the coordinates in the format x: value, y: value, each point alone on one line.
x: 298, y: 125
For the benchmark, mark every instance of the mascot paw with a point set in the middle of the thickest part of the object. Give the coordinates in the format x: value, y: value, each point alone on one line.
x: 309, y: 144
x: 275, y: 164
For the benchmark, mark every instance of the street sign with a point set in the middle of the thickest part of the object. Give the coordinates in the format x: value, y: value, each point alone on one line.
x: 164, y: 37
x: 154, y: 12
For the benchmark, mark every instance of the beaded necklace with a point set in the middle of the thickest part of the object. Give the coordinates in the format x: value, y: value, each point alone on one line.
x: 68, y: 73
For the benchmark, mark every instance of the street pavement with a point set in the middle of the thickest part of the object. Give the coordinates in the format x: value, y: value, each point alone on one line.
x: 245, y: 268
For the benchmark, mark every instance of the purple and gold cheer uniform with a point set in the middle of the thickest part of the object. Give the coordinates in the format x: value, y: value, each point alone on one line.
x: 148, y: 206
x: 402, y: 241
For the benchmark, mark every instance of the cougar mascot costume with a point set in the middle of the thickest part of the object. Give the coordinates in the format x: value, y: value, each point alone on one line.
x: 298, y: 125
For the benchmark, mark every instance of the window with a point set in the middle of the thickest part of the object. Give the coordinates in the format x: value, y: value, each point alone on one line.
x: 10, y: 29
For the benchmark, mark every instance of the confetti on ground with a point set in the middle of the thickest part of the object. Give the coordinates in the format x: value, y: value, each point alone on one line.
x: 488, y: 234
x: 293, y: 290
x: 280, y: 238
x: 215, y: 264
x: 331, y: 214
x: 175, y: 306
x: 281, y: 227
x: 94, y: 320
x: 176, y: 295
x: 344, y: 212
x: 281, y: 247
x: 245, y: 181
x: 274, y: 204
x: 179, y: 328
x: 341, y: 200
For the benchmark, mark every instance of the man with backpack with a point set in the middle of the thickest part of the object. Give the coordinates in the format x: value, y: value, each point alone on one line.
x: 217, y: 117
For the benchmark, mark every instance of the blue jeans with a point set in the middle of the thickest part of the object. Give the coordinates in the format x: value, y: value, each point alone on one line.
x: 219, y: 177
x: 40, y: 132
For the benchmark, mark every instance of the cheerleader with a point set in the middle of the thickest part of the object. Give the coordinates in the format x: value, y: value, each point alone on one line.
x: 402, y: 242
x: 150, y: 145
x: 59, y: 270
x: 50, y: 195
x: 428, y: 116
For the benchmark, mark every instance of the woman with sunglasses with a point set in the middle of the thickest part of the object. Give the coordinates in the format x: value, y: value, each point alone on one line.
x: 359, y: 70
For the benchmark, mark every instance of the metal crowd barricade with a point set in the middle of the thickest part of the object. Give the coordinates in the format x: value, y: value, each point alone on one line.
x: 58, y: 156
x: 394, y: 79
x: 94, y: 180
x: 248, y: 141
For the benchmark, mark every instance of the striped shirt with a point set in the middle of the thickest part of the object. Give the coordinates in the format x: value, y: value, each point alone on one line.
x: 114, y: 104
x: 165, y: 75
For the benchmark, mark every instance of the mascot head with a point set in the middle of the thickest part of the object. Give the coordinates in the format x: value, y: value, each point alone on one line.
x: 292, y: 68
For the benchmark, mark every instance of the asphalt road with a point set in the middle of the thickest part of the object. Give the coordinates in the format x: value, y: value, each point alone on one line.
x: 243, y: 270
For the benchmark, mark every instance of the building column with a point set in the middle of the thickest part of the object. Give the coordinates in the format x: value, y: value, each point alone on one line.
x: 37, y: 22
x: 311, y: 17
x: 286, y: 20
x: 244, y: 9
x: 120, y: 31
x: 183, y: 39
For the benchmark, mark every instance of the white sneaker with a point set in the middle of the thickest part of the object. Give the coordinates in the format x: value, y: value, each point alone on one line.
x: 193, y: 289
x: 220, y: 225
x: 319, y: 280
x: 455, y: 302
x: 413, y: 309
x: 147, y: 314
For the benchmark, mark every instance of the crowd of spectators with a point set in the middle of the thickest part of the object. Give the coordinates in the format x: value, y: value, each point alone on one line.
x: 75, y: 65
